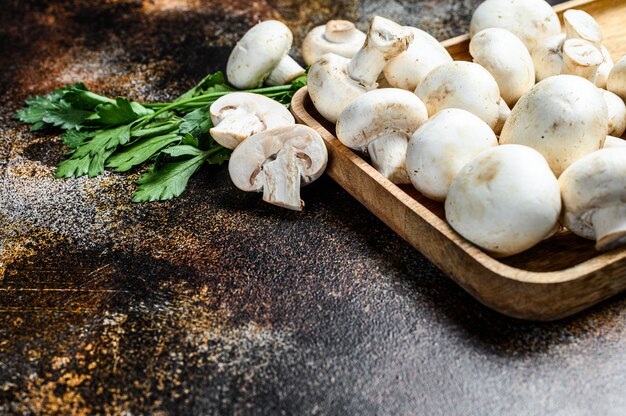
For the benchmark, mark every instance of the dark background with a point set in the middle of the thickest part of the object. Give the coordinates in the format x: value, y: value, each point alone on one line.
x: 216, y: 303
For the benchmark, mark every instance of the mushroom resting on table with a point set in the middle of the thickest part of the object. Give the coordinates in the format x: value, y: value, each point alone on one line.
x: 382, y: 122
x: 239, y: 115
x: 440, y: 148
x: 278, y: 162
x: 340, y: 37
x: 505, y: 200
x: 262, y: 55
x: 334, y: 81
x: 594, y: 194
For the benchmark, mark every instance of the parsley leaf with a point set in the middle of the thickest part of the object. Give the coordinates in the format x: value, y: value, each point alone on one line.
x: 197, y: 123
x: 140, y: 151
x: 120, y: 112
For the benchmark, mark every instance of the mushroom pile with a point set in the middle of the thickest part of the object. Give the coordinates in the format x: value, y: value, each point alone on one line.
x: 517, y: 143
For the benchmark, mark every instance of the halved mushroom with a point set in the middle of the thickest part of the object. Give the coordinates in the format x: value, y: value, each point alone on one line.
x: 593, y: 191
x: 442, y: 146
x: 335, y: 81
x: 530, y: 20
x: 505, y: 200
x: 616, y: 82
x: 409, y: 68
x: 382, y: 122
x: 278, y: 162
x: 239, y: 115
x: 617, y: 113
x: 564, y: 117
x: 464, y: 85
x: 340, y: 37
x: 261, y: 55
x: 506, y: 58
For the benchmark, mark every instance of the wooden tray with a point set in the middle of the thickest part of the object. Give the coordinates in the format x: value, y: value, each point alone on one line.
x: 557, y: 278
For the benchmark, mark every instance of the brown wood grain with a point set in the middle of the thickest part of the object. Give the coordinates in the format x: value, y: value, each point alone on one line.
x: 557, y: 278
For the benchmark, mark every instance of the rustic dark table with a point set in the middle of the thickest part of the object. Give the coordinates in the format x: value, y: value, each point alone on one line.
x: 216, y: 303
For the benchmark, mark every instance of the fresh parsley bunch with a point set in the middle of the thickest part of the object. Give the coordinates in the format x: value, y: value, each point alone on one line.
x: 171, y: 138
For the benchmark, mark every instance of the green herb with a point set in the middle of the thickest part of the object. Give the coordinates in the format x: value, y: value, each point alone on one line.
x: 171, y: 139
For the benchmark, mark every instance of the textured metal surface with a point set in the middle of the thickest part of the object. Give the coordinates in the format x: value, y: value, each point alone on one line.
x: 216, y: 303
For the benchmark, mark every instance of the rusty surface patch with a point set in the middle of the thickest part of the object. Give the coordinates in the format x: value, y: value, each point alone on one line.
x: 216, y: 303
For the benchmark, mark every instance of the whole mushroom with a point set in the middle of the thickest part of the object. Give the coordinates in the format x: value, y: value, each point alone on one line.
x: 506, y: 58
x: 530, y: 20
x: 593, y: 190
x: 547, y: 56
x: 261, y: 55
x: 464, y: 85
x: 581, y: 58
x: 612, y: 141
x: 505, y: 200
x: 340, y: 37
x: 564, y: 117
x: 334, y: 81
x: 239, y: 115
x: 440, y: 148
x: 616, y: 83
x: 409, y: 68
x: 278, y: 162
x: 381, y: 122
x: 617, y: 113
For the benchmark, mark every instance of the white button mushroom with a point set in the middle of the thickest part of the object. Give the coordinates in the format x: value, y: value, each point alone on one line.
x: 612, y: 141
x: 616, y: 82
x: 594, y: 194
x: 503, y: 115
x: 464, y: 85
x: 382, y: 122
x: 424, y: 54
x: 605, y: 68
x: 547, y: 57
x: 278, y: 162
x: 529, y: 20
x: 340, y: 37
x: 581, y: 58
x: 564, y: 117
x: 505, y: 200
x: 442, y: 146
x: 580, y: 25
x: 506, y: 58
x: 617, y: 113
x: 261, y: 55
x: 239, y: 115
x: 335, y: 81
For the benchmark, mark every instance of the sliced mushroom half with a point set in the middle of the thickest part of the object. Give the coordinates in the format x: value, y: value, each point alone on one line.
x: 278, y: 162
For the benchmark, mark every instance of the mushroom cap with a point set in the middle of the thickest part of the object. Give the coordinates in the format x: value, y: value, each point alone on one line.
x: 257, y: 53
x: 247, y: 161
x: 239, y: 115
x: 503, y: 115
x: 505, y: 200
x: 330, y: 87
x: 506, y: 58
x: 464, y: 85
x: 612, y: 141
x: 547, y: 56
x: 442, y: 146
x: 529, y: 20
x: 596, y: 181
x: 564, y: 117
x: 424, y: 54
x: 616, y: 82
x: 340, y: 37
x: 378, y: 112
x: 617, y: 113
x: 605, y: 68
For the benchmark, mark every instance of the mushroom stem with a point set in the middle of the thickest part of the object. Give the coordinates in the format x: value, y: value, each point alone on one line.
x: 339, y: 31
x: 286, y: 71
x: 281, y: 184
x: 385, y: 40
x: 579, y: 24
x: 581, y: 58
x: 609, y: 225
x: 388, y: 156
